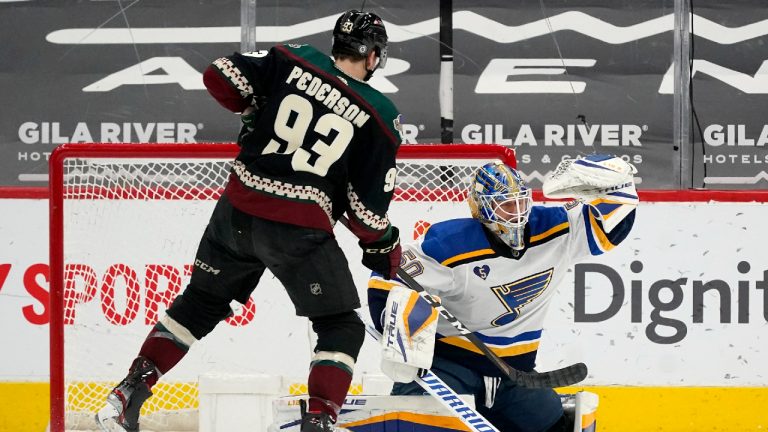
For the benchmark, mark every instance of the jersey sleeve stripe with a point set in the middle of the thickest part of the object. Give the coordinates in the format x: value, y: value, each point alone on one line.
x: 363, y: 214
x: 234, y: 76
x: 554, y: 230
x: 381, y: 284
x: 607, y: 208
x: 374, y: 113
x: 504, y: 340
x: 461, y: 342
x: 467, y: 255
x: 598, y: 234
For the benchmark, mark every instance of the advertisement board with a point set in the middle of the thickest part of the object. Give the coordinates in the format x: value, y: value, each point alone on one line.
x: 673, y: 317
x: 689, y: 283
x: 552, y: 82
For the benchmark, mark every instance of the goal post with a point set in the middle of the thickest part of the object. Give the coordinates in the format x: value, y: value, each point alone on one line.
x: 125, y: 221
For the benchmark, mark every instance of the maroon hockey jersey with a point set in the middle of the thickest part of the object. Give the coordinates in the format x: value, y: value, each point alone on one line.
x: 322, y: 143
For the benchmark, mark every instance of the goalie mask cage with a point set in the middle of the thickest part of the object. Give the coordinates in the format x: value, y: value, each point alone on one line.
x: 125, y: 222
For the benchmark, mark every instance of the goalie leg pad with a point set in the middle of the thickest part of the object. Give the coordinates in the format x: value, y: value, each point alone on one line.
x: 408, y: 340
x: 458, y: 377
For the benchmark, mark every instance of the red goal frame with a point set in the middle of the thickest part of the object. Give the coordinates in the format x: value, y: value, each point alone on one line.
x: 169, y: 151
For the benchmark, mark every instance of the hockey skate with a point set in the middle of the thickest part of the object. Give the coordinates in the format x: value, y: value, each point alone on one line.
x: 121, y: 413
x: 316, y: 422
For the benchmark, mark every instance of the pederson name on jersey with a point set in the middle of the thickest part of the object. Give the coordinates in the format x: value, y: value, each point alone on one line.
x: 331, y: 97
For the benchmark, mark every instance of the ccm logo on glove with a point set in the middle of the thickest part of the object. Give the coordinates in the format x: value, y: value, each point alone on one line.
x: 383, y: 256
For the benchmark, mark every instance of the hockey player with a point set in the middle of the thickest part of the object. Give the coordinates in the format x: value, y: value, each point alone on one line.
x: 497, y: 273
x: 317, y: 142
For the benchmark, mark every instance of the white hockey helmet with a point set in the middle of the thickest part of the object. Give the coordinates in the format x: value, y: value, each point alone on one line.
x: 500, y: 199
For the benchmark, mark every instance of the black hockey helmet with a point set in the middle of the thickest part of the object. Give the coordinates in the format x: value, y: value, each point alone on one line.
x: 357, y: 33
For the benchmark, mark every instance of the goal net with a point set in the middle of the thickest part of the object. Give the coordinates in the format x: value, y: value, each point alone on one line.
x: 126, y: 220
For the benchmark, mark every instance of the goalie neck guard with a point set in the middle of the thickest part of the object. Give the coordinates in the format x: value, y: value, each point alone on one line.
x: 357, y: 33
x: 500, y: 199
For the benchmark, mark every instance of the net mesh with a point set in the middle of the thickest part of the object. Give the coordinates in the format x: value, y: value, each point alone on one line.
x: 131, y: 226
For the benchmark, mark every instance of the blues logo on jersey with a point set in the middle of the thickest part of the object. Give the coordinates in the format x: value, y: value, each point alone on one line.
x: 515, y: 295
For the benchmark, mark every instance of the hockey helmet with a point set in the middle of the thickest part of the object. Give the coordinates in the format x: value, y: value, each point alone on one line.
x: 357, y: 33
x: 499, y: 198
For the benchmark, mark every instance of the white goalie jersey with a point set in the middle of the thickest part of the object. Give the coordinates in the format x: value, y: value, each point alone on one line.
x: 500, y: 294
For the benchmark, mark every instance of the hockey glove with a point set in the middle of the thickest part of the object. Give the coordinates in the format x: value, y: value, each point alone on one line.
x: 250, y: 116
x: 590, y: 177
x: 383, y: 256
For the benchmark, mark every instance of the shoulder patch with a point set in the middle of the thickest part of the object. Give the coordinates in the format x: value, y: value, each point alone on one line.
x: 457, y: 241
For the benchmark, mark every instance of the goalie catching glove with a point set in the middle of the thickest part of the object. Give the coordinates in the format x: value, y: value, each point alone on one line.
x: 590, y: 177
x: 408, y: 341
x: 383, y: 256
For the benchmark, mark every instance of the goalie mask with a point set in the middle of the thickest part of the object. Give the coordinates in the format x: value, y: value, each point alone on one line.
x: 357, y: 33
x: 499, y: 198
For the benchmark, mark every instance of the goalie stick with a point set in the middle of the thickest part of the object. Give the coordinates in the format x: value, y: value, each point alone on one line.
x: 562, y: 377
x: 445, y: 395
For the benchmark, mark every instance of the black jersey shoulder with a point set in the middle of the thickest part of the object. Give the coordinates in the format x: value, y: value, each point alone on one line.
x: 379, y: 105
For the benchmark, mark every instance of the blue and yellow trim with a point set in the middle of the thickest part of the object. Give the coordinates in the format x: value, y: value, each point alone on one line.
x: 381, y: 284
x: 606, y: 207
x: 547, y: 223
x: 502, y: 346
x: 468, y: 257
x: 419, y: 315
x: 598, y: 240
x: 550, y: 233
x: 457, y: 241
x: 401, y: 420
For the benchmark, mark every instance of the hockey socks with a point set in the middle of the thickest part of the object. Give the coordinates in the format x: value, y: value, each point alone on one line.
x: 166, y: 344
x: 330, y: 375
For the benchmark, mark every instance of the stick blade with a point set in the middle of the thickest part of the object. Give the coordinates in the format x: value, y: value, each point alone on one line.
x: 564, y: 377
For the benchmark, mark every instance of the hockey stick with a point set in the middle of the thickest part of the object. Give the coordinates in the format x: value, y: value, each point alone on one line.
x: 563, y: 377
x: 445, y: 395
x: 566, y: 376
